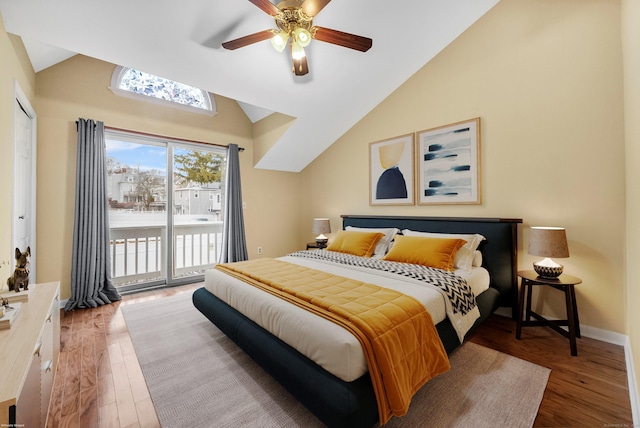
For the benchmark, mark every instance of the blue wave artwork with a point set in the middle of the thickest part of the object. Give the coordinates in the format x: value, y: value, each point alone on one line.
x: 447, y: 161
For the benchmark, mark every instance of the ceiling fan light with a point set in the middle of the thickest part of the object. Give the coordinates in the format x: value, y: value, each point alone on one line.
x: 279, y: 40
x: 302, y: 36
x: 297, y: 51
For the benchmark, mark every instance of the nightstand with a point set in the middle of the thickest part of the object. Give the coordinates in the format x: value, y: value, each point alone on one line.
x: 314, y: 244
x: 565, y: 283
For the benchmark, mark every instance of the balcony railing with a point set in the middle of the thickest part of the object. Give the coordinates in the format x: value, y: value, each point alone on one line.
x: 138, y: 253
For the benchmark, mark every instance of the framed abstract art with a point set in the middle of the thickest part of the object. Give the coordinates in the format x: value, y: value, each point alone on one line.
x: 448, y: 164
x: 391, y: 176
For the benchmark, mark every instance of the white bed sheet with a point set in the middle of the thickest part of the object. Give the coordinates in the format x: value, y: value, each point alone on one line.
x: 327, y: 344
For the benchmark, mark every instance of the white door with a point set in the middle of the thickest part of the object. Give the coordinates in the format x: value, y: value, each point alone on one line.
x: 24, y: 213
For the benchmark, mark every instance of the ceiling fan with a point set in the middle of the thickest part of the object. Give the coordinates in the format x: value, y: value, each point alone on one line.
x: 294, y: 19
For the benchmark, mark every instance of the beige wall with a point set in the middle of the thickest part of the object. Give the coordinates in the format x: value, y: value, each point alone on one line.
x: 631, y: 52
x: 267, y: 131
x: 545, y: 76
x: 15, y: 68
x: 77, y: 88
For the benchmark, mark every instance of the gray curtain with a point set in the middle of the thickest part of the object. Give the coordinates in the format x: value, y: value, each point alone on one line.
x: 91, y: 284
x: 234, y: 245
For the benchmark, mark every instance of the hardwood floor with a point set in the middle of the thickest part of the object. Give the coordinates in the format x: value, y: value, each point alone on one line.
x: 99, y: 382
x: 588, y: 390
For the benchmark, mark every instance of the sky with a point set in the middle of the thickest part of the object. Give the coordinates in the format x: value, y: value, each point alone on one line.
x: 135, y: 155
x: 143, y: 156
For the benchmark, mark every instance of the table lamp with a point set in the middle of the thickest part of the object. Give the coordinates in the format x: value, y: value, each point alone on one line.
x: 548, y: 242
x: 321, y: 226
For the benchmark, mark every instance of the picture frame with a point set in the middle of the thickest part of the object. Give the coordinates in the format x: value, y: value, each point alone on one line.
x: 391, y: 171
x: 448, y: 167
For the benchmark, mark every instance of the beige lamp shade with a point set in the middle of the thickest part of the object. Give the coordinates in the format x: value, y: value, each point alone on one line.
x: 321, y: 226
x: 548, y: 242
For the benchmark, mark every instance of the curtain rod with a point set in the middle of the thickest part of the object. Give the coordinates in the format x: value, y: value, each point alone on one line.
x: 147, y: 134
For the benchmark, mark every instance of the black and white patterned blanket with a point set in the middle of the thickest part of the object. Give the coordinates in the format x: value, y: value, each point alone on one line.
x: 453, y: 286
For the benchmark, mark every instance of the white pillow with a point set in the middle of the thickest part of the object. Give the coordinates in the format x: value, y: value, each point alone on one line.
x: 465, y: 255
x: 477, y: 259
x: 384, y: 243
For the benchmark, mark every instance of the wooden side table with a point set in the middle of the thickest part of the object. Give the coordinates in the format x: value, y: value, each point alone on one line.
x: 565, y: 283
x: 314, y: 244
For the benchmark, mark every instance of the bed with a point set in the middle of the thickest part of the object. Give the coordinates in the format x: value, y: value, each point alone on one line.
x: 352, y: 402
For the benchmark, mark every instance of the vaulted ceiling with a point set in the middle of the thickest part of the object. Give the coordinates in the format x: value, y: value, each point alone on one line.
x: 181, y: 40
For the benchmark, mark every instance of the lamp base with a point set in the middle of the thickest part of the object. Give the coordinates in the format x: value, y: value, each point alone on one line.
x: 322, y: 243
x: 548, y: 271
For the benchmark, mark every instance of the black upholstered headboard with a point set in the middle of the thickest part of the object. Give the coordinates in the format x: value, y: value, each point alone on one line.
x: 499, y: 250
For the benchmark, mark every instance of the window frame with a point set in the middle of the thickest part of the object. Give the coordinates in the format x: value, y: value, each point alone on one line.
x: 116, y: 77
x: 170, y: 277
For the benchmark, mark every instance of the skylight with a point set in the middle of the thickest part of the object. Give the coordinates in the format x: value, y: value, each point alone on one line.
x: 149, y: 87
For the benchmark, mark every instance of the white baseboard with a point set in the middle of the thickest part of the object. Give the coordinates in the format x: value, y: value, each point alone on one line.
x: 633, y: 387
x: 621, y: 340
x: 585, y: 330
x: 603, y: 335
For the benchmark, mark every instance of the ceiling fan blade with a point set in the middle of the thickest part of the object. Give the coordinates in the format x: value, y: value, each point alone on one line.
x: 248, y: 40
x: 266, y: 6
x: 312, y: 8
x: 340, y: 38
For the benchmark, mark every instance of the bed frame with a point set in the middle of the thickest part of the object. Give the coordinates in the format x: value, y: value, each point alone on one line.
x: 353, y: 404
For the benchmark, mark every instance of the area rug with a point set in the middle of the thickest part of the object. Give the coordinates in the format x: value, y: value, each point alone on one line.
x: 197, y: 377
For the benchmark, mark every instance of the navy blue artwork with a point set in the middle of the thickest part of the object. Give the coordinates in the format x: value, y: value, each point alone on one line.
x: 391, y: 184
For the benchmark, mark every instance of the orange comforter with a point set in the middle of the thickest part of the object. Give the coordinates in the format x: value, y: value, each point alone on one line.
x: 397, y: 334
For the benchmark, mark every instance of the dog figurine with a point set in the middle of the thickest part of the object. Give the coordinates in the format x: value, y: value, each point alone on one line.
x: 20, y: 277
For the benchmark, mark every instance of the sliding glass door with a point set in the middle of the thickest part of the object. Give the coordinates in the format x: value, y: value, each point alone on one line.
x: 165, y: 209
x: 197, y: 209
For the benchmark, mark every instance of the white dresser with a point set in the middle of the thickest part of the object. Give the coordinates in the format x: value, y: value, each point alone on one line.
x: 29, y: 353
